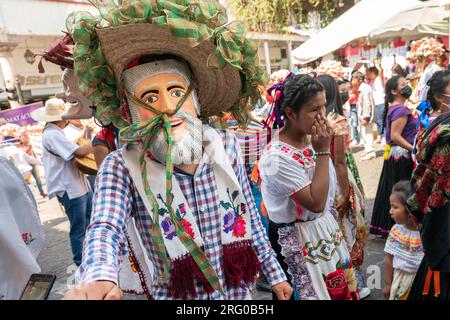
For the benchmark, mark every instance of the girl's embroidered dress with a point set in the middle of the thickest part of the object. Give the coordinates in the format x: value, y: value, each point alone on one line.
x: 406, y: 247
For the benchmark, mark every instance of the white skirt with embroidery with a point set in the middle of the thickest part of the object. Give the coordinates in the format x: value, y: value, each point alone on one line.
x: 318, y: 259
x: 401, y: 284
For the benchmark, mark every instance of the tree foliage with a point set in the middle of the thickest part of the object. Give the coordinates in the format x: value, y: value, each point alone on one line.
x: 277, y: 15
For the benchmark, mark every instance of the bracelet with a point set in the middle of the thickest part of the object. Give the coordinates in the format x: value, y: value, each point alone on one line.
x: 323, y: 153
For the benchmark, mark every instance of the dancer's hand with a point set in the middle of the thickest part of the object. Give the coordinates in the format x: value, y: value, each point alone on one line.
x: 283, y: 290
x: 97, y: 290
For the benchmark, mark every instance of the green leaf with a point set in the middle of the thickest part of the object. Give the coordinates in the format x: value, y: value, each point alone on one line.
x: 162, y: 212
x: 339, y: 265
x: 225, y: 205
x: 235, y: 195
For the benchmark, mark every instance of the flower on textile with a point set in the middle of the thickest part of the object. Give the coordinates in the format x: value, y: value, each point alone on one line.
x: 437, y: 163
x: 434, y: 136
x: 443, y: 182
x: 298, y: 159
x: 183, y: 209
x: 239, y: 230
x: 337, y: 285
x: 437, y: 199
x: 305, y: 252
x: 421, y: 198
x: 188, y: 227
x: 285, y: 149
x: 27, y: 238
x: 228, y: 220
x: 307, y: 153
x: 169, y: 228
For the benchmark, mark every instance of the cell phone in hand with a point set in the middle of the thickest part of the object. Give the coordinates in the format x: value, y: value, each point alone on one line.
x: 38, y: 287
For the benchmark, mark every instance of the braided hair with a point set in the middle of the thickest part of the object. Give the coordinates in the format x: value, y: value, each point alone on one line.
x: 298, y: 91
x: 334, y: 102
x: 391, y: 84
x: 437, y: 84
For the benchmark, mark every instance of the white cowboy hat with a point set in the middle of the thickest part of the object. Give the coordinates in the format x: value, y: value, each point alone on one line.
x: 53, y: 110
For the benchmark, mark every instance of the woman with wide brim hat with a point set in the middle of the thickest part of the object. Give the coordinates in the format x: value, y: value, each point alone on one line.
x: 116, y: 52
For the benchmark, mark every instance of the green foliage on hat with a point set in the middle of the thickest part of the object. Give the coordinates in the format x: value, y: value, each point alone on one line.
x: 189, y: 21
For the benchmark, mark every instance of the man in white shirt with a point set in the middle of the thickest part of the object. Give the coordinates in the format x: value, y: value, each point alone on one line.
x: 64, y: 180
x: 375, y: 78
x: 366, y: 112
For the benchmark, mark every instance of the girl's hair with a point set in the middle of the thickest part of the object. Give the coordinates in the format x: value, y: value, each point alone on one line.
x: 398, y: 70
x: 403, y: 190
x: 437, y: 83
x: 298, y: 91
x: 391, y: 84
x: 334, y: 102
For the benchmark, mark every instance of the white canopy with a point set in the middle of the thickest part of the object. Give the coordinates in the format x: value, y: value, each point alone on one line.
x: 425, y: 17
x: 359, y: 21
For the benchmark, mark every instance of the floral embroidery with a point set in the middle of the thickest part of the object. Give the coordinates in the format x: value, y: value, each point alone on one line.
x: 27, y: 238
x: 233, y: 220
x: 432, y: 176
x: 168, y: 226
x: 308, y: 153
x: 181, y: 214
x: 337, y: 285
x: 187, y: 227
x: 301, y: 279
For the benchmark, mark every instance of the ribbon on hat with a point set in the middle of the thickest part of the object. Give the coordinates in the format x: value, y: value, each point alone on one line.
x: 145, y: 131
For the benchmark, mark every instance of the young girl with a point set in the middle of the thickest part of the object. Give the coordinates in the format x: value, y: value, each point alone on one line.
x: 403, y: 246
x: 298, y: 185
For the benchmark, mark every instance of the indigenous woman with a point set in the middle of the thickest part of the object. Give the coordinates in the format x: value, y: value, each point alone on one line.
x: 295, y: 172
x: 430, y: 202
x: 433, y: 107
x: 349, y: 199
x: 430, y: 206
x: 400, y: 125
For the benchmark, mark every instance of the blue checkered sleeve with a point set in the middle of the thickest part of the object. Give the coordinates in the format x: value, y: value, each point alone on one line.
x: 105, y: 243
x: 267, y: 257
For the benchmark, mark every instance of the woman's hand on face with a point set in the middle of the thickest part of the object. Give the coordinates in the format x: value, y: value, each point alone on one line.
x: 321, y: 134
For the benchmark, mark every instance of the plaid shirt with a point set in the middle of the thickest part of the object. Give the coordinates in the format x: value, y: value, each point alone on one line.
x: 105, y: 244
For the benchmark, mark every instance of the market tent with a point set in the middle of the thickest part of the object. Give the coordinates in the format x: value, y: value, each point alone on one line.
x: 359, y: 21
x: 425, y: 17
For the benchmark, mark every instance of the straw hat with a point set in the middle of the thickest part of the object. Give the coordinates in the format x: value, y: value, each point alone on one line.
x: 53, y: 110
x: 217, y: 88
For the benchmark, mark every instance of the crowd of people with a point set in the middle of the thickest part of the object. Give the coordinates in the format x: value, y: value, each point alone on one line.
x: 168, y: 210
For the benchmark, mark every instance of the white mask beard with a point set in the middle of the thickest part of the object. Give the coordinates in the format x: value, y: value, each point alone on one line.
x: 188, y: 150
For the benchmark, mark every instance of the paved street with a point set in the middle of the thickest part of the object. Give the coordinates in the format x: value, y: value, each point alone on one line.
x: 56, y: 258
